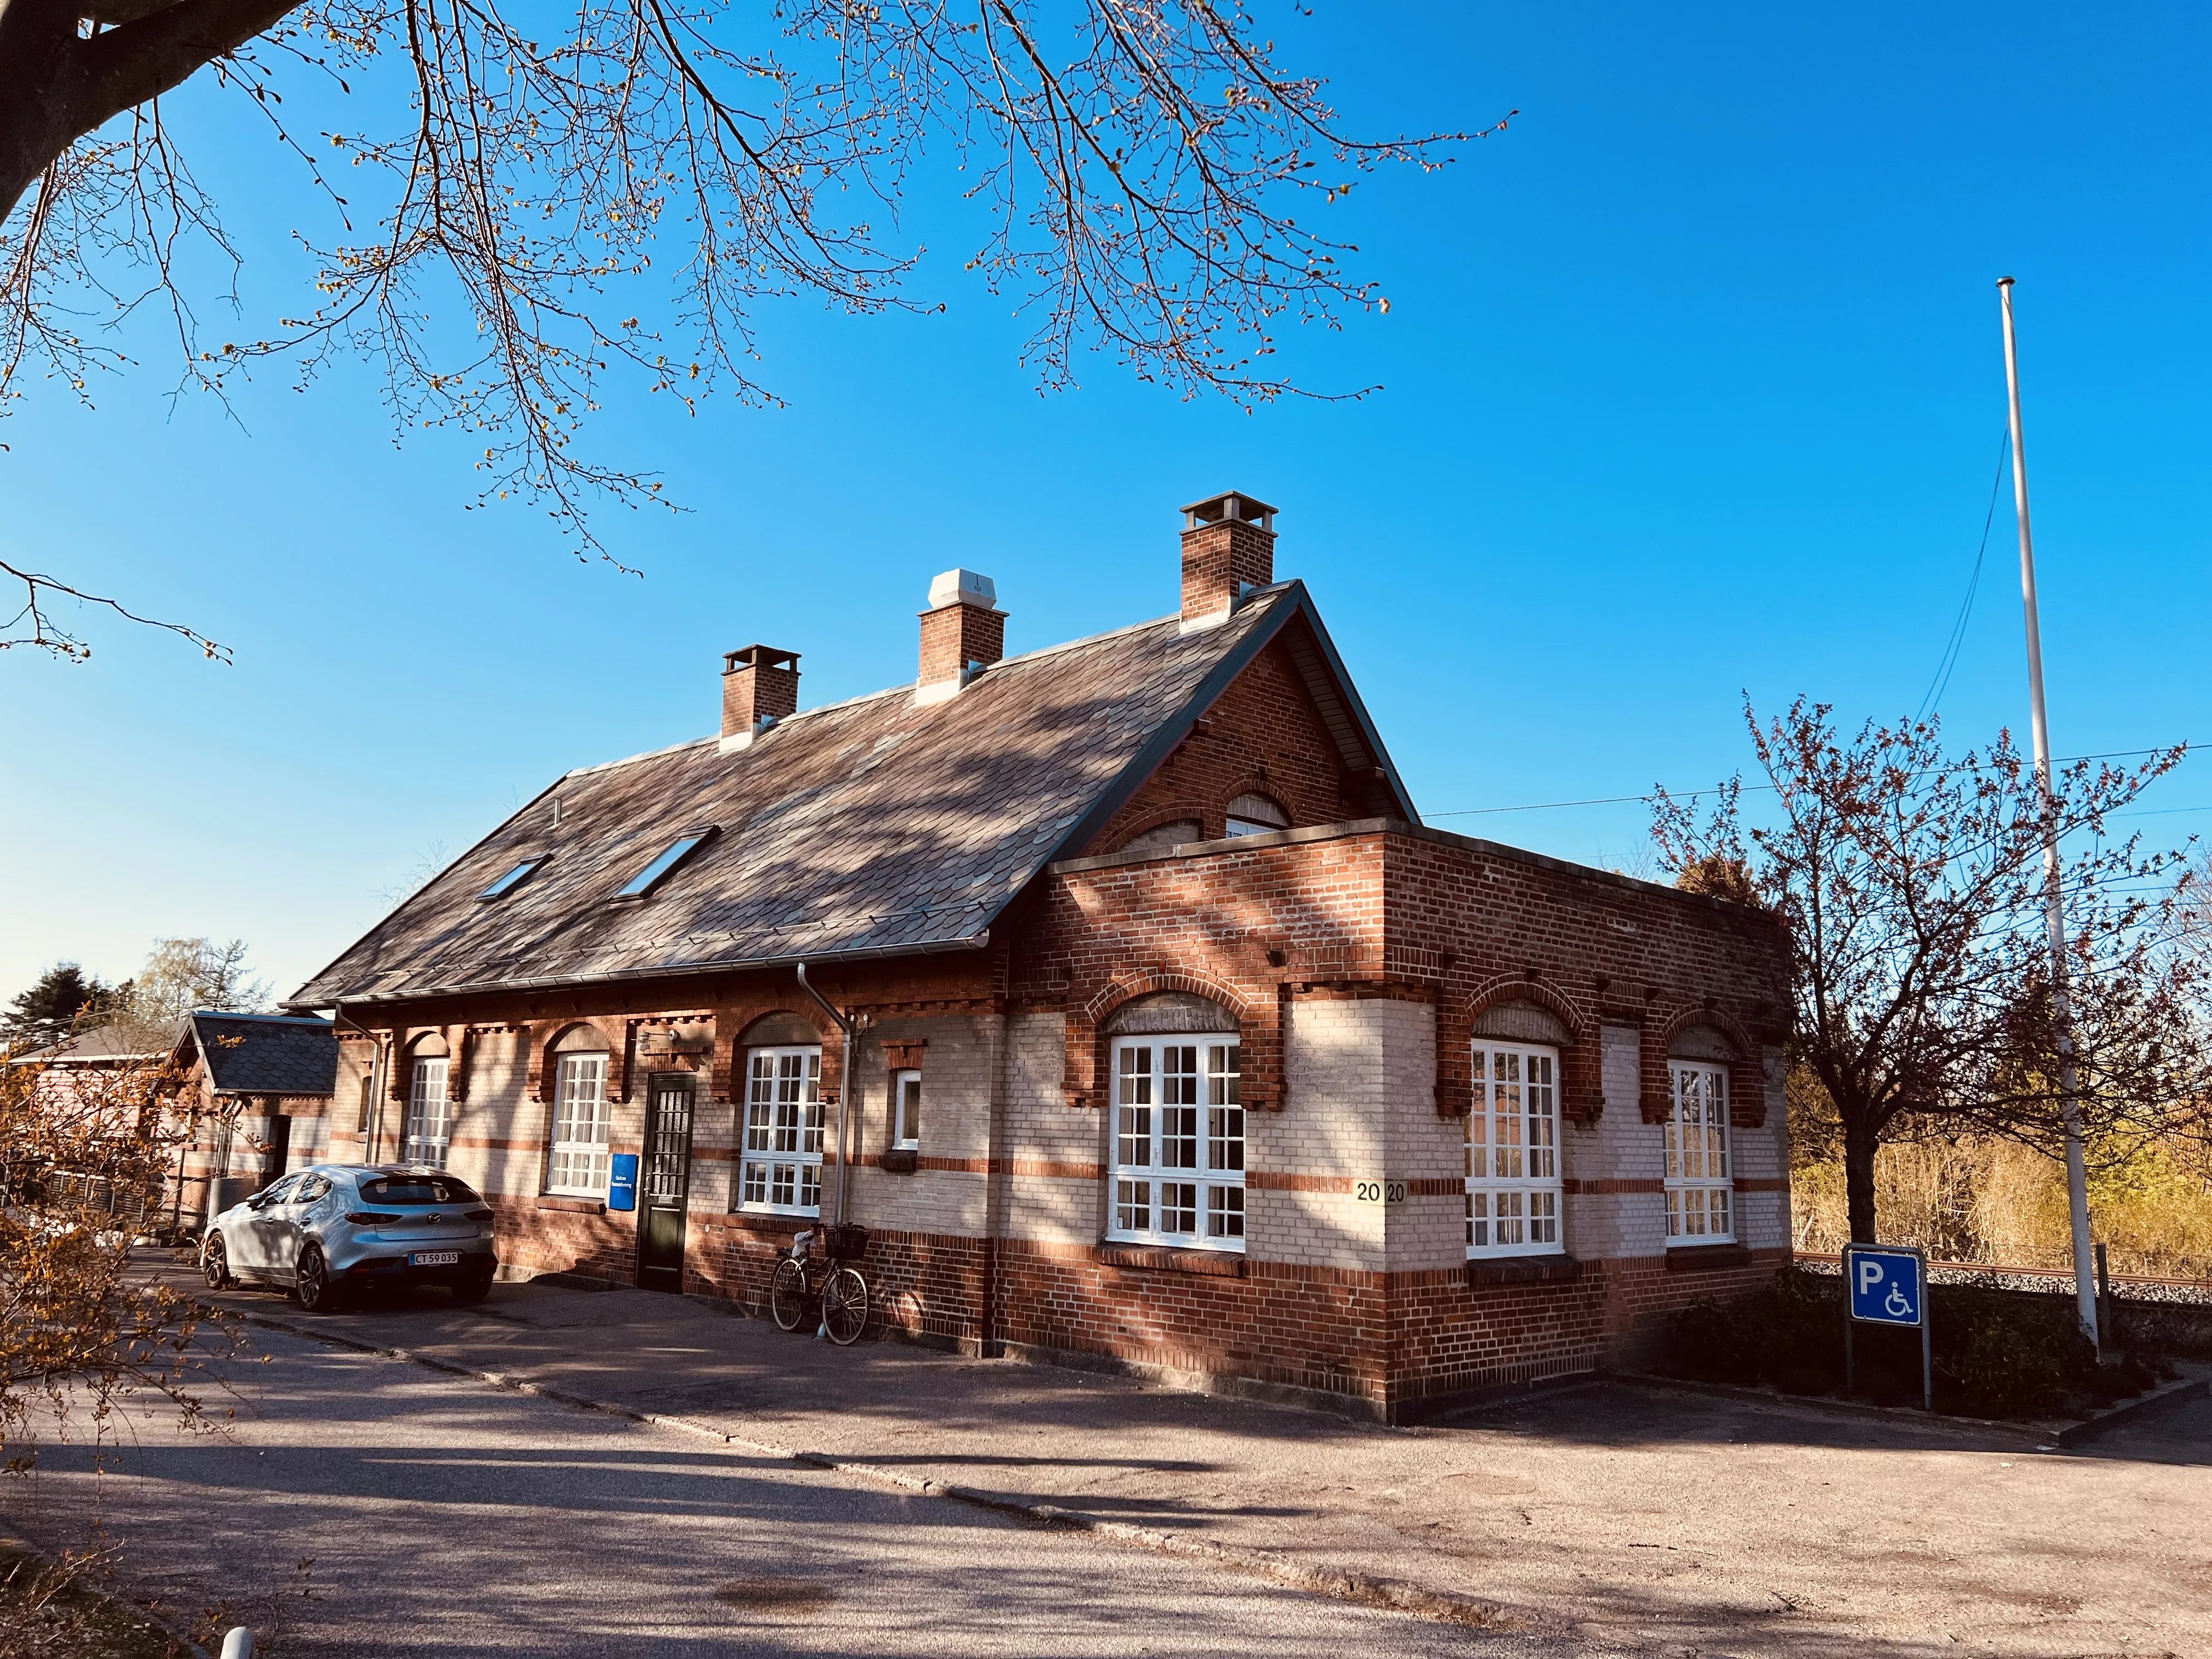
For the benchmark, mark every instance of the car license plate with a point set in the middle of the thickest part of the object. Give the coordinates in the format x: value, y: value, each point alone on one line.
x: 434, y: 1259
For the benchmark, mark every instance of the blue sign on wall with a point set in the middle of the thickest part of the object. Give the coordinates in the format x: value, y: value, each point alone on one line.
x: 622, y: 1182
x: 1887, y: 1284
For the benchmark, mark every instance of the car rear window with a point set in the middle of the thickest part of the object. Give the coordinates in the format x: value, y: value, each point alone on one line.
x: 418, y: 1189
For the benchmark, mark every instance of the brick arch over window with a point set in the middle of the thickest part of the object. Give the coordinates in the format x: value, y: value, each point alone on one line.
x: 1581, y: 1079
x: 581, y: 1037
x: 772, y: 1019
x: 1181, y: 811
x: 1690, y: 1034
x: 1258, y: 1029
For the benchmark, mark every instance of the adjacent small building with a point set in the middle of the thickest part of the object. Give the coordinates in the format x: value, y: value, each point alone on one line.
x: 1176, y: 1040
x: 255, y: 1092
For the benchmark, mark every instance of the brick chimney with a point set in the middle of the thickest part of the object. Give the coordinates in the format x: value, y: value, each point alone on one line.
x: 963, y: 630
x: 760, y: 686
x: 1228, y: 546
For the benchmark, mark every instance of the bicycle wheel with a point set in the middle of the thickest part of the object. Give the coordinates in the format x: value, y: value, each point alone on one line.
x: 845, y: 1306
x: 787, y: 1294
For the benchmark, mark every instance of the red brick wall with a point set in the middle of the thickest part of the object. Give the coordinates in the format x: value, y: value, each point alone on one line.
x: 1263, y: 735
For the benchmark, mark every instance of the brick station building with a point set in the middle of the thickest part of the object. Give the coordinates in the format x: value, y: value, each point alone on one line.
x: 1180, y: 1042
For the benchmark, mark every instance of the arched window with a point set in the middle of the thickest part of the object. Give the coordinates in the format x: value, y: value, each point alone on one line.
x: 429, y: 1125
x: 1176, y: 1175
x: 1256, y: 815
x: 577, y: 1164
x: 1513, y: 1149
x: 1701, y: 1192
x: 781, y: 1166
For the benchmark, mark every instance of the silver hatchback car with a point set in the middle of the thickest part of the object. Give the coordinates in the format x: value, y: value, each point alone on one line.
x: 332, y: 1229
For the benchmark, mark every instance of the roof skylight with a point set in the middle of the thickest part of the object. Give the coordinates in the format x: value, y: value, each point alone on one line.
x: 673, y: 854
x: 513, y: 879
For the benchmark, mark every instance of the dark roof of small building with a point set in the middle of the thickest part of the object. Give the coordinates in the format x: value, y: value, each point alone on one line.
x: 875, y: 827
x: 264, y: 1053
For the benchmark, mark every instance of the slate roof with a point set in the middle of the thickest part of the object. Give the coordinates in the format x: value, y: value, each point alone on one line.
x: 868, y: 828
x: 265, y: 1053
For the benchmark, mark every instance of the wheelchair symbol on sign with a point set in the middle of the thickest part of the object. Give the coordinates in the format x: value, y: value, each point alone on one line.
x: 1897, y: 1305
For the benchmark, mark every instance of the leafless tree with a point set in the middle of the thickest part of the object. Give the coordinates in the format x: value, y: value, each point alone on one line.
x: 1913, y: 884
x: 1145, y: 165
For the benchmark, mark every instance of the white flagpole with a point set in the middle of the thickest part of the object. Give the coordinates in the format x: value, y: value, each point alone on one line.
x: 2054, y: 911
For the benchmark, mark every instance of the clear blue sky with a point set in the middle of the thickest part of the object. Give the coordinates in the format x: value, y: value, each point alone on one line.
x: 1692, y: 388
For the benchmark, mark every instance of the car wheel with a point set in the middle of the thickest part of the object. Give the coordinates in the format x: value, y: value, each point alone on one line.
x: 215, y: 1264
x: 472, y: 1290
x: 311, y: 1284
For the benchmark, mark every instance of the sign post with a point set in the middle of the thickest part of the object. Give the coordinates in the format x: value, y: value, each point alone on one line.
x: 1886, y: 1285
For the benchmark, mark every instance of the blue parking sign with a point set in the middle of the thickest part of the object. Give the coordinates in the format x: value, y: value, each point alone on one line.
x: 1887, y: 1284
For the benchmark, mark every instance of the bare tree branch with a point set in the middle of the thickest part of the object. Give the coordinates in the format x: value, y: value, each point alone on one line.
x: 1139, y: 162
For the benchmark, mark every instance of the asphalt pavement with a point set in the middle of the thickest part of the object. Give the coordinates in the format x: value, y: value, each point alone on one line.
x: 360, y: 1505
x: 1613, y: 1516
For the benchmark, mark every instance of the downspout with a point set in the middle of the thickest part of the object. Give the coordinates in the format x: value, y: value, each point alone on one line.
x: 377, y: 1072
x: 844, y: 1087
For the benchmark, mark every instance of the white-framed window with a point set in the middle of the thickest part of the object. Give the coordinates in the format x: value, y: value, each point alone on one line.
x: 1700, y: 1191
x: 1513, y: 1151
x: 1178, y: 1164
x: 429, y: 1115
x: 781, y: 1167
x: 906, y: 1109
x: 578, y: 1165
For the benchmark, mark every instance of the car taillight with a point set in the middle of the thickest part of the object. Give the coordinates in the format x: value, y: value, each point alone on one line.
x: 370, y: 1218
x: 480, y: 1215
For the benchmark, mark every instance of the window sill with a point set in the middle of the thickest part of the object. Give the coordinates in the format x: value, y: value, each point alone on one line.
x: 573, y: 1203
x: 901, y: 1160
x: 1700, y: 1258
x: 1558, y: 1269
x: 1167, y: 1259
x: 771, y: 1221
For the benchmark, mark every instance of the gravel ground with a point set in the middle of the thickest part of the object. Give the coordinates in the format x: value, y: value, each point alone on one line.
x: 1628, y: 1516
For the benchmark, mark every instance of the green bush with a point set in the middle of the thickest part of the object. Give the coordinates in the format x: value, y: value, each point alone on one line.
x: 1996, y: 1352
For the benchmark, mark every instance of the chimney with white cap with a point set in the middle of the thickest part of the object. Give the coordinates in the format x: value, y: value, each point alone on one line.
x: 963, y: 630
x: 1228, y: 547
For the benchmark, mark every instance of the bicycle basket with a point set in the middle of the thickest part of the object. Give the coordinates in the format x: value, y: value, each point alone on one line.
x: 846, y: 1243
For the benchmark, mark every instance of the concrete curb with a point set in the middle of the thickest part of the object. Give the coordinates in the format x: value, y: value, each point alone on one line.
x: 1432, y: 1605
x: 2045, y: 1435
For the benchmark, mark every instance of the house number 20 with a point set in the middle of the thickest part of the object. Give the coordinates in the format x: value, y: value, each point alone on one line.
x: 1380, y: 1192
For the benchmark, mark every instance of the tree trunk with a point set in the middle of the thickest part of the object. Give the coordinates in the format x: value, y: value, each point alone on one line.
x: 1860, y: 1144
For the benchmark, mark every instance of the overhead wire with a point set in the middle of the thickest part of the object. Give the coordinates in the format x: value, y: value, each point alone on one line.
x: 1953, y: 647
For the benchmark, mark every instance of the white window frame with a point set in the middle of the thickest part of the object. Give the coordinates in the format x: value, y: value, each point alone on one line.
x: 780, y: 1135
x: 1512, y: 1139
x: 576, y: 1162
x: 906, y: 1110
x: 1247, y: 823
x: 1205, y: 1183
x: 1701, y: 1179
x: 428, y: 1131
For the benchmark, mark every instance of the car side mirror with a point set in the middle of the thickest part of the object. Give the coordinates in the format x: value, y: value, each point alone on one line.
x: 257, y: 1200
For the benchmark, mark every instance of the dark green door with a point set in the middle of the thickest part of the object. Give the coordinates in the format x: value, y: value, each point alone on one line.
x: 664, y: 1183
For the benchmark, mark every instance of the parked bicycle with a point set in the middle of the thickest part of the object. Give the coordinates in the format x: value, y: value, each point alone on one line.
x: 805, y: 1279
